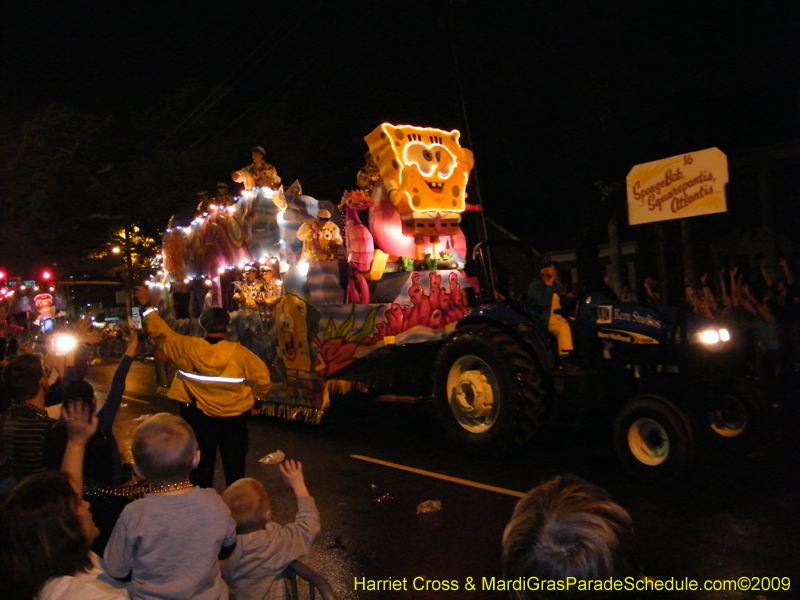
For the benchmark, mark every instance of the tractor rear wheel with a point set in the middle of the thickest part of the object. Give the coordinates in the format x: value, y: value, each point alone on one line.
x: 489, y: 391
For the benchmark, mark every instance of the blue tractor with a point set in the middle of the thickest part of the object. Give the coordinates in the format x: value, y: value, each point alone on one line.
x: 669, y: 378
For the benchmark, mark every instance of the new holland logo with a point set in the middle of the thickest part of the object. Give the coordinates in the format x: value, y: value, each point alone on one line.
x: 628, y: 337
x: 604, y: 314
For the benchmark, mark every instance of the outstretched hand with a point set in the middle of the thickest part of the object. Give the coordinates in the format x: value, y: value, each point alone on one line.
x: 142, y: 293
x: 81, y: 423
x: 292, y: 473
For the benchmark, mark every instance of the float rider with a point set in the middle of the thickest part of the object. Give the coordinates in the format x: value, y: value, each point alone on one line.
x: 217, y: 383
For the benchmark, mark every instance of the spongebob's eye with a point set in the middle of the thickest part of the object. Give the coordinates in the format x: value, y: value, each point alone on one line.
x: 418, y: 154
x: 444, y: 160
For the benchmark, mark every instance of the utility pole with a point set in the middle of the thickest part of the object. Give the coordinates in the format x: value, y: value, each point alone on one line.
x: 128, y: 269
x: 615, y: 254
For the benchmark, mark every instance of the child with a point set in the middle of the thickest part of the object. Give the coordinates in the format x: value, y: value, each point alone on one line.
x: 170, y: 540
x: 564, y: 528
x: 264, y: 548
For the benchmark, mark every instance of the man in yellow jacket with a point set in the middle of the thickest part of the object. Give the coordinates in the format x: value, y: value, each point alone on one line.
x: 217, y: 383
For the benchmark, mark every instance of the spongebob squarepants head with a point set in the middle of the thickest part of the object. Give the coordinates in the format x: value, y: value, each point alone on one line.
x: 424, y: 169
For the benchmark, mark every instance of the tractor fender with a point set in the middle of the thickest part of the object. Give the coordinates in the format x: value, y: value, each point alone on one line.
x: 520, y: 327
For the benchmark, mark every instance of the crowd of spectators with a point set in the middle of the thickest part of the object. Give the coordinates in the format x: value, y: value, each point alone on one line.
x: 763, y: 314
x: 60, y: 464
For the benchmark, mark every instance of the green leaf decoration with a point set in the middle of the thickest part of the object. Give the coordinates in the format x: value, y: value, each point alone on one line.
x: 330, y: 330
x: 345, y: 328
x: 368, y: 326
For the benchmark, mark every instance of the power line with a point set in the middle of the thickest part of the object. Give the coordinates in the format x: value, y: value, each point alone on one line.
x: 221, y: 90
x: 261, y: 100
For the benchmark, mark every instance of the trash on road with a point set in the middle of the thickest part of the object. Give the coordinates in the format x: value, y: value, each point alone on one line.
x: 273, y: 458
x: 429, y: 506
x: 384, y: 498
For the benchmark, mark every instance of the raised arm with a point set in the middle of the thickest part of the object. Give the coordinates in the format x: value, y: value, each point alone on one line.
x: 787, y: 272
x: 736, y: 296
x: 722, y: 288
x: 691, y: 296
x: 295, y: 539
x: 81, y: 426
x: 708, y: 296
x: 174, y: 345
x: 108, y: 413
x: 766, y: 274
x: 292, y: 473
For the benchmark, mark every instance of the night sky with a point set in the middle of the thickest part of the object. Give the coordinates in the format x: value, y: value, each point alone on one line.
x: 559, y: 95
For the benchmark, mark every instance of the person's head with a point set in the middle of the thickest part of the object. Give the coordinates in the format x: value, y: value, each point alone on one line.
x: 46, y: 531
x: 81, y: 391
x: 250, y: 273
x: 258, y: 153
x: 164, y: 449
x: 568, y: 527
x: 546, y: 266
x: 249, y: 504
x: 266, y: 273
x: 25, y: 376
x: 215, y: 320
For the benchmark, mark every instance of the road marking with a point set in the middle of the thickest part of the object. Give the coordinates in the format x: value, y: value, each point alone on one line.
x: 132, y: 399
x: 475, y: 484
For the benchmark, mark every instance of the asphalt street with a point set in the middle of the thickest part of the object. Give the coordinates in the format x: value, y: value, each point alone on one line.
x: 733, y: 517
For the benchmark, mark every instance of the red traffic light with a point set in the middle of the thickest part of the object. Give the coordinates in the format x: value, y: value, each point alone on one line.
x: 46, y: 275
x: 2, y: 275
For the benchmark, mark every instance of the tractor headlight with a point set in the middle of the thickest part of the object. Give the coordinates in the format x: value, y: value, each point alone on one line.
x: 712, y: 336
x: 709, y: 336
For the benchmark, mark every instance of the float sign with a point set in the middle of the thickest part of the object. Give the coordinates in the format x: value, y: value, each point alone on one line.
x: 682, y: 186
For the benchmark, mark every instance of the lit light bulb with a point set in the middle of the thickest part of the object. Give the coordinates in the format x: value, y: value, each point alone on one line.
x: 302, y: 267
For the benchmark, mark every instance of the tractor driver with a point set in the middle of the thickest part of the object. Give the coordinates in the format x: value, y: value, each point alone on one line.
x: 544, y: 303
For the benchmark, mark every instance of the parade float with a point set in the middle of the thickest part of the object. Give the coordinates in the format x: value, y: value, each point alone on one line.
x: 314, y: 287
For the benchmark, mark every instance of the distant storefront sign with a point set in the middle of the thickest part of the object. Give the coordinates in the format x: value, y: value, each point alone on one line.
x: 682, y: 186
